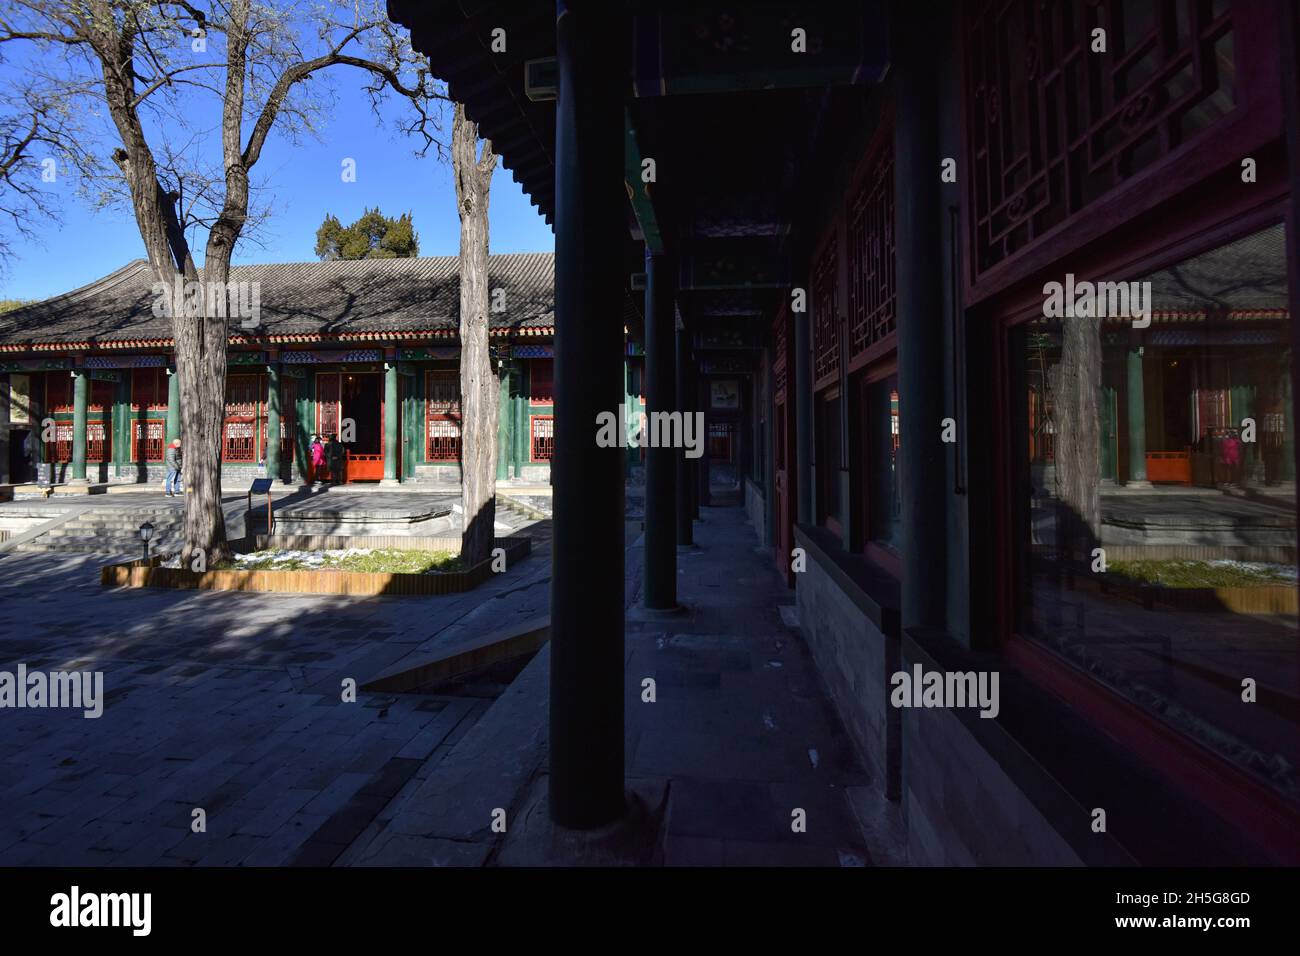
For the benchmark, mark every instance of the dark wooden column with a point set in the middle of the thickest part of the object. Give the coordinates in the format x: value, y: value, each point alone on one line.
x: 685, y: 510
x: 586, y: 707
x: 660, y: 566
x: 699, y: 466
x: 920, y: 277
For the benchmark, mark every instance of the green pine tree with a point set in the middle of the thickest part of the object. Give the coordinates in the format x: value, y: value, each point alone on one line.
x: 373, y: 236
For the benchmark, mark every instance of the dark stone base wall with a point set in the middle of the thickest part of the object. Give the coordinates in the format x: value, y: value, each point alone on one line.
x: 960, y: 806
x: 856, y: 660
x: 756, y: 510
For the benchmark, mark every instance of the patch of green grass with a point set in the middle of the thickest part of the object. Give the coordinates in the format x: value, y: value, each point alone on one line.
x: 1202, y: 574
x: 382, y: 561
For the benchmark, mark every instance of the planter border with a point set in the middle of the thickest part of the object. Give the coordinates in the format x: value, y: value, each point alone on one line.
x: 139, y: 574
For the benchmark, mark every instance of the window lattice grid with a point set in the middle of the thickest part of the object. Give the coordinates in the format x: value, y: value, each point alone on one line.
x: 148, y: 440
x: 442, y: 441
x: 543, y: 437
x: 98, y: 446
x: 825, y: 317
x: 238, y: 442
x: 1053, y: 127
x: 442, y: 391
x: 872, y: 303
x: 242, y: 395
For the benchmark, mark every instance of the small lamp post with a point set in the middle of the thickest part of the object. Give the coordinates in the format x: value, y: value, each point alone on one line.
x: 146, y: 532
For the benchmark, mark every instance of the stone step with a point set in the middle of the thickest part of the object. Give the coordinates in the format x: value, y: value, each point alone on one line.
x: 98, y: 546
x: 126, y: 527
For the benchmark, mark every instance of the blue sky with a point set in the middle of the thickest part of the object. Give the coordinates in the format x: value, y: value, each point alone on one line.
x: 304, y: 183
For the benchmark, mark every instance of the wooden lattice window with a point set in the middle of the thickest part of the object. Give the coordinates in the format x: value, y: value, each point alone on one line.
x: 720, y: 435
x: 1053, y: 126
x: 98, y: 446
x: 238, y: 442
x: 442, y: 392
x: 780, y: 360
x: 443, y: 440
x: 148, y: 439
x: 872, y: 289
x: 242, y: 395
x: 327, y: 405
x: 148, y: 388
x: 541, y: 385
x: 825, y: 314
x: 543, y: 433
x: 442, y: 415
x: 60, y: 450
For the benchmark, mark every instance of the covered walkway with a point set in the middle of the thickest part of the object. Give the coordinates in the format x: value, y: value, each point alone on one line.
x: 740, y: 737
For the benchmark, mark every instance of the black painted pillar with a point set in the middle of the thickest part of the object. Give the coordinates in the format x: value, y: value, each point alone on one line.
x: 920, y: 277
x: 586, y: 707
x: 699, y: 465
x: 685, y: 510
x: 803, y: 414
x: 660, y: 566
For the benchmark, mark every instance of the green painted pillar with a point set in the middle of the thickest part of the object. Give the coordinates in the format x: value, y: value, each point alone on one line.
x: 273, y: 421
x: 505, y: 425
x: 173, y: 406
x: 392, y: 439
x: 1109, y: 451
x: 522, y: 433
x: 81, y: 389
x: 1137, y: 421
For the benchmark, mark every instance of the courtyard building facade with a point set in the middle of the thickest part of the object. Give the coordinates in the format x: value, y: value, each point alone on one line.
x: 364, y: 351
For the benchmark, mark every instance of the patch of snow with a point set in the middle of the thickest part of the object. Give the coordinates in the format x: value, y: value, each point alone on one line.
x: 1287, y: 572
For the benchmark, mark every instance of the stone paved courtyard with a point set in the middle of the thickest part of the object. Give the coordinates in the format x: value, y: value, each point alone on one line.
x: 230, y: 702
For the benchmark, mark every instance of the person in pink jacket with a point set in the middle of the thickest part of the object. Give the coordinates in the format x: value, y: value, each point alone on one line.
x: 317, y: 453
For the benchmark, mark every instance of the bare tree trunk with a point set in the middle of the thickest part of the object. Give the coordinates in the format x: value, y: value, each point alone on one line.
x: 1076, y: 387
x: 479, y: 390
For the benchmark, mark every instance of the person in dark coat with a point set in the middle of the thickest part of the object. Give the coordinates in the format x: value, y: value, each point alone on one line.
x: 32, y: 456
x: 172, y: 459
x: 337, y: 460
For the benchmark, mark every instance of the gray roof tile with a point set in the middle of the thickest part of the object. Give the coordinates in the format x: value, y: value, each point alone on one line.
x: 344, y: 296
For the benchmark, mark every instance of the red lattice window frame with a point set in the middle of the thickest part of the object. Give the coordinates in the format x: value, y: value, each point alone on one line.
x: 442, y: 440
x: 239, y: 441
x: 826, y: 320
x: 1053, y: 130
x: 442, y: 415
x: 872, y: 288
x: 59, y: 451
x: 329, y: 396
x: 780, y: 355
x: 148, y: 439
x: 244, y: 393
x: 541, y: 429
x: 442, y: 393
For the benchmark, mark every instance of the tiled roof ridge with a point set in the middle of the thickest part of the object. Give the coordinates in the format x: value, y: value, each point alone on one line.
x: 132, y: 268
